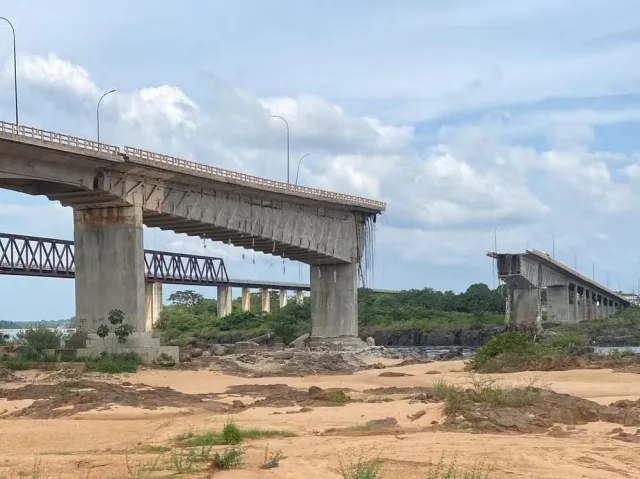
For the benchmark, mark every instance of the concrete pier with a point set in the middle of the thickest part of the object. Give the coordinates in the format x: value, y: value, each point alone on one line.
x: 523, y: 306
x: 334, y: 304
x: 558, y: 303
x: 246, y: 299
x: 153, y: 304
x: 225, y: 296
x: 299, y: 297
x: 283, y: 298
x: 109, y: 266
x: 266, y: 301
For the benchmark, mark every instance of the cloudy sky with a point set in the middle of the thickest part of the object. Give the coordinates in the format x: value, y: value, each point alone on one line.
x: 461, y: 115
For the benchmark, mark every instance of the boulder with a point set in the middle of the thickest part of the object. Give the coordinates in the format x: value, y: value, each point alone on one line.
x: 386, y: 422
x: 244, y: 347
x: 206, y: 354
x: 196, y: 352
x: 218, y: 350
x: 300, y: 339
x: 283, y: 355
x: 371, y: 342
x: 261, y: 339
x: 192, y: 341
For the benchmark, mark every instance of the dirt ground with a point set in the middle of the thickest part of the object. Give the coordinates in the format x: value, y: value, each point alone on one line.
x: 92, y: 426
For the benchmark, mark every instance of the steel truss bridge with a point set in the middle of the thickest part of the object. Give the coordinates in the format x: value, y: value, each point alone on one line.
x: 22, y: 255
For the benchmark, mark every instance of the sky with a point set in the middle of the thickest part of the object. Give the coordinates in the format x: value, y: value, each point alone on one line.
x: 517, y: 117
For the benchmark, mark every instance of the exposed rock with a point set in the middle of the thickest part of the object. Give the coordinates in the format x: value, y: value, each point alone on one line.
x: 244, y: 347
x: 433, y: 372
x: 371, y: 342
x: 192, y: 341
x: 413, y: 361
x: 471, y: 337
x: 164, y: 360
x: 196, y: 352
x: 393, y: 374
x: 184, y: 356
x: 218, y: 350
x: 283, y: 355
x: 386, y: 422
x: 300, y: 339
x: 376, y: 366
x: 417, y: 415
x: 206, y: 354
x: 261, y: 339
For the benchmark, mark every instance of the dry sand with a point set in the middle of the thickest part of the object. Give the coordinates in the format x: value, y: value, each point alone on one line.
x: 97, y: 444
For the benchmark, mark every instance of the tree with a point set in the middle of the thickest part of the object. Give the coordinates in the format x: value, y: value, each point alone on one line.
x: 186, y: 298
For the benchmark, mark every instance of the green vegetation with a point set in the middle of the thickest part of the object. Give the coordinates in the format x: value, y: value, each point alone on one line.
x: 231, y: 435
x: 272, y: 459
x: 114, y: 363
x: 488, y: 392
x: 31, y: 345
x: 60, y: 323
x: 228, y: 459
x: 442, y: 470
x: 426, y: 310
x: 361, y: 468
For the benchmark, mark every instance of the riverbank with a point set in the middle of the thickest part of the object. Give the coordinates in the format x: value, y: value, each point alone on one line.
x: 111, y: 424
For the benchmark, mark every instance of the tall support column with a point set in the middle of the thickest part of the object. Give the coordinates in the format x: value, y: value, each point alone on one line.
x: 299, y: 297
x: 153, y: 304
x: 558, y: 303
x: 266, y: 300
x: 587, y: 305
x: 283, y: 298
x: 580, y: 294
x: 334, y: 304
x: 109, y: 266
x: 246, y: 299
x: 594, y: 306
x: 522, y: 307
x: 600, y: 310
x: 224, y: 301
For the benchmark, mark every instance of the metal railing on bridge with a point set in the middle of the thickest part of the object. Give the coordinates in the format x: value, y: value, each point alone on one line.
x: 54, y: 258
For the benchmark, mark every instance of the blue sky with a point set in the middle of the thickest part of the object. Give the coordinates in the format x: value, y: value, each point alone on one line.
x: 461, y: 115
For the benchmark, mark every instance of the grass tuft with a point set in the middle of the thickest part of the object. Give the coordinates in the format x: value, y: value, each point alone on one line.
x: 114, y: 363
x: 230, y: 458
x: 272, y: 459
x: 232, y: 436
x: 442, y: 470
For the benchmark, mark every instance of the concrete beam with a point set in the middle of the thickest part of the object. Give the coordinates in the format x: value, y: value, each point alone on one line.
x: 266, y: 301
x: 153, y: 304
x: 109, y: 266
x: 246, y: 299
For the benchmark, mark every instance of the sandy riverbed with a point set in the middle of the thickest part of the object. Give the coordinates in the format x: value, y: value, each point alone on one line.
x: 97, y: 444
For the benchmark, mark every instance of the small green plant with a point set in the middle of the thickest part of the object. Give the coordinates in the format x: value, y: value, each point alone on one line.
x: 214, y: 438
x: 442, y: 470
x: 116, y: 317
x: 272, y: 459
x: 18, y: 364
x: 338, y: 397
x: 228, y: 459
x: 103, y: 332
x: 231, y: 434
x: 182, y: 462
x: 114, y: 363
x: 142, y: 470
x: 506, y: 343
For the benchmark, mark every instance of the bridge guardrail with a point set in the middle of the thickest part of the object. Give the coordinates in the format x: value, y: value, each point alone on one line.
x: 152, y: 158
x: 155, y: 159
x: 57, y: 138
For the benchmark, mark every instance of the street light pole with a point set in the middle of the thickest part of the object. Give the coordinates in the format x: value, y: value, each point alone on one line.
x: 286, y: 123
x: 300, y: 161
x: 15, y: 66
x: 98, y: 112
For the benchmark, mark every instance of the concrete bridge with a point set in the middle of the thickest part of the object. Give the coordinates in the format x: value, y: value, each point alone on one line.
x: 570, y: 296
x: 113, y: 192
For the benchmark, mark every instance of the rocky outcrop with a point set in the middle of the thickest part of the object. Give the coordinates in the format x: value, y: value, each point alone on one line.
x: 471, y: 337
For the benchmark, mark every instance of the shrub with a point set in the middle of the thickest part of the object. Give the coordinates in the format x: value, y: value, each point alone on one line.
x: 272, y: 460
x: 115, y: 363
x: 230, y: 458
x: 507, y: 343
x: 362, y: 469
x: 231, y: 434
x: 39, y: 338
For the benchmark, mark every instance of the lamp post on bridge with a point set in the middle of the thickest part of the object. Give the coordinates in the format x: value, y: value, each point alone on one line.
x: 98, y: 112
x: 15, y: 66
x: 300, y: 161
x: 286, y: 123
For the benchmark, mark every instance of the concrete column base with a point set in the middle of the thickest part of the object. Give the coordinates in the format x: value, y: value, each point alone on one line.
x: 340, y: 342
x: 334, y: 301
x: 153, y: 304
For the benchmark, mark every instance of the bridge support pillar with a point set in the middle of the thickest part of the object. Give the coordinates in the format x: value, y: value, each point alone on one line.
x: 334, y: 305
x: 299, y: 297
x: 266, y: 300
x: 283, y: 298
x: 225, y: 296
x: 523, y: 308
x: 246, y: 299
x: 109, y: 266
x: 558, y: 303
x: 153, y: 304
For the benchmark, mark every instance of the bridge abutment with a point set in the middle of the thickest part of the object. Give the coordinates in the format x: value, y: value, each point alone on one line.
x: 109, y: 266
x: 334, y: 305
